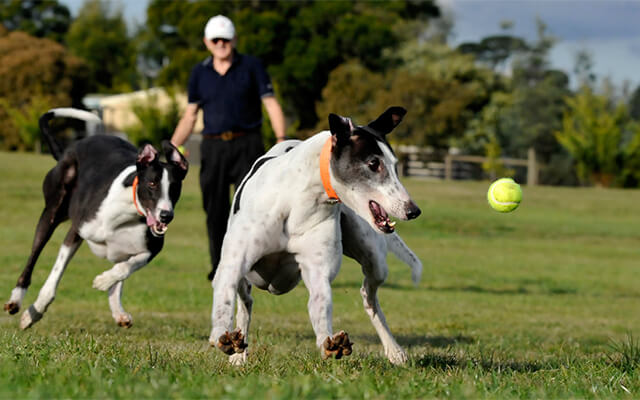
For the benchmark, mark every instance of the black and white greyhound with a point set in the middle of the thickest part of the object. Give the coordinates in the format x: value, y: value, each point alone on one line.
x: 120, y: 200
x: 300, y: 208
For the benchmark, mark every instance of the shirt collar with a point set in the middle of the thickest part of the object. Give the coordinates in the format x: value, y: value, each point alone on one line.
x: 237, y: 58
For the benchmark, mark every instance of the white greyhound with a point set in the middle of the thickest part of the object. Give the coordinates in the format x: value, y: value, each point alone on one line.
x: 297, y: 211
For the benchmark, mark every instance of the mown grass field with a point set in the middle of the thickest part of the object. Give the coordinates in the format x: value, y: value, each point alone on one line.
x: 541, y: 303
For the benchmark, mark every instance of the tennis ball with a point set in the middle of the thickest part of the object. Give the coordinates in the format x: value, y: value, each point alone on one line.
x: 504, y: 195
x: 181, y: 149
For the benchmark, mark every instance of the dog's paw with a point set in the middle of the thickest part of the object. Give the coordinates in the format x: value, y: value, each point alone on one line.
x: 232, y: 343
x: 124, y: 320
x: 104, y: 281
x: 12, y: 307
x: 397, y: 356
x: 238, y: 359
x: 29, y: 317
x: 337, y: 346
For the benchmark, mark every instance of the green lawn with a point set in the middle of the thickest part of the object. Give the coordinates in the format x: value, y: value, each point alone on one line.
x: 541, y: 302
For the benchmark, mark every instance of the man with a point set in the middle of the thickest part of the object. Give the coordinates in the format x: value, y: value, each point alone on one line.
x: 230, y: 88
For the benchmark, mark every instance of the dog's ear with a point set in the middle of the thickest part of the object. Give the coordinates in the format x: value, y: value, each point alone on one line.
x: 341, y: 128
x: 146, y: 155
x: 388, y: 120
x: 174, y: 156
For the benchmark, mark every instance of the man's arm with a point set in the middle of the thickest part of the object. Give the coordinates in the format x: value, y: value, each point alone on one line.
x: 185, y: 126
x: 276, y: 116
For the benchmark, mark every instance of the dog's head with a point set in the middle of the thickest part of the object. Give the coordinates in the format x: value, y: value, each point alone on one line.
x: 365, y: 170
x: 159, y: 184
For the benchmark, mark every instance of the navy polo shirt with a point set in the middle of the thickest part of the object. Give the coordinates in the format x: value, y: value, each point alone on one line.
x: 233, y: 101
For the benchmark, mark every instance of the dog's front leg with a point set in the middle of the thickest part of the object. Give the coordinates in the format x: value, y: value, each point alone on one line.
x: 320, y: 308
x: 243, y: 319
x: 225, y: 286
x: 118, y: 313
x: 121, y: 271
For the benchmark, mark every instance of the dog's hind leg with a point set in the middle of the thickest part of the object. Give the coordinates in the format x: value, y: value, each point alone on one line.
x: 48, y: 292
x: 46, y: 225
x: 375, y: 274
x: 375, y: 270
x: 398, y: 247
x: 118, y: 313
x: 369, y: 248
x: 56, y: 189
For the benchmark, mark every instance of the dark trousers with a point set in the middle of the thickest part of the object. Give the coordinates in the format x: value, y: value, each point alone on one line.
x: 223, y: 163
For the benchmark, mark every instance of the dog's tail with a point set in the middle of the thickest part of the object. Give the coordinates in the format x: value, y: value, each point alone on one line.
x: 404, y: 253
x: 54, y: 146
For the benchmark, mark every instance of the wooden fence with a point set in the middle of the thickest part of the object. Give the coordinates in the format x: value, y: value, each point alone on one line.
x: 428, y: 163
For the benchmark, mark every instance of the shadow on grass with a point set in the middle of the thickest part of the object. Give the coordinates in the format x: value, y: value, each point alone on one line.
x: 485, y: 363
x: 358, y: 284
x: 537, y: 288
x: 421, y: 340
x: 504, y: 291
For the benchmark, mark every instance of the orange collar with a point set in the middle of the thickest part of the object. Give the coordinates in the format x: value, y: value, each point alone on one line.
x: 135, y: 189
x: 325, y: 156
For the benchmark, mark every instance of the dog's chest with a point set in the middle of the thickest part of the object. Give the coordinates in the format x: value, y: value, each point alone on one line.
x: 117, y: 230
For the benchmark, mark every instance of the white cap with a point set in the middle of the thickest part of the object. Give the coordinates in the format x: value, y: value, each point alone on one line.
x: 219, y: 27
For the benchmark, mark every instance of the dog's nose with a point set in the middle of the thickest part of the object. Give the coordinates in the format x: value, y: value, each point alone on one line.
x: 166, y: 216
x: 413, y: 211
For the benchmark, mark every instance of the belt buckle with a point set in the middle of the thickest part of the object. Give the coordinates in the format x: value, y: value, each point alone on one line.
x: 226, y: 136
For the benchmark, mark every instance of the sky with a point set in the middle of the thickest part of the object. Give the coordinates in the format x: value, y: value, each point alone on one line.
x: 608, y: 29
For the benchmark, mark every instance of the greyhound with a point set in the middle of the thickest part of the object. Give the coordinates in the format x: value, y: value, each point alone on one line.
x: 120, y: 200
x: 299, y: 208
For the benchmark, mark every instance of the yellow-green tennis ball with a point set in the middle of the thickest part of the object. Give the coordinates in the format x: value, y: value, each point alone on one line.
x: 181, y: 149
x: 504, y: 195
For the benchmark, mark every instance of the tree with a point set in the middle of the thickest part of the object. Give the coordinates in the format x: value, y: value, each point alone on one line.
x: 634, y: 104
x: 537, y: 101
x: 171, y: 40
x: 583, y: 68
x: 33, y: 68
x: 485, y: 130
x: 601, y: 139
x: 441, y: 88
x: 157, y: 121
x: 351, y: 90
x: 494, y: 51
x: 99, y: 36
x: 40, y: 18
x: 25, y: 120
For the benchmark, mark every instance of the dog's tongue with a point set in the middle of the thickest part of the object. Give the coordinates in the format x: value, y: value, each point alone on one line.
x: 151, y: 221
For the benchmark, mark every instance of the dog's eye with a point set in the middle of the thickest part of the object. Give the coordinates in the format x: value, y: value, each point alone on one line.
x: 152, y: 184
x: 374, y: 165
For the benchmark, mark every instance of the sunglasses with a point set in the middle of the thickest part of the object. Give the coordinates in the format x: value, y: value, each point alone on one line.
x: 216, y: 40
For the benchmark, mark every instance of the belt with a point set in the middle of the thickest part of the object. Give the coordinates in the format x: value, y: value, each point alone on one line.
x: 226, y: 136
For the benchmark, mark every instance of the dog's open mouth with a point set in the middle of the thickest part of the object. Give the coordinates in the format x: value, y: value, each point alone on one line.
x: 157, y: 228
x: 380, y: 217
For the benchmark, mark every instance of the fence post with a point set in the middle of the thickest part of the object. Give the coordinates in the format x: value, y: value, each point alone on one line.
x: 448, y: 167
x: 532, y: 167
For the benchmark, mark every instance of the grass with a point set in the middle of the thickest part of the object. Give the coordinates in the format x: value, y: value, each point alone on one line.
x: 541, y: 302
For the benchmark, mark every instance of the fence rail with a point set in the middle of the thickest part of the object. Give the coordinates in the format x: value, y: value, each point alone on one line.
x: 437, y: 165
